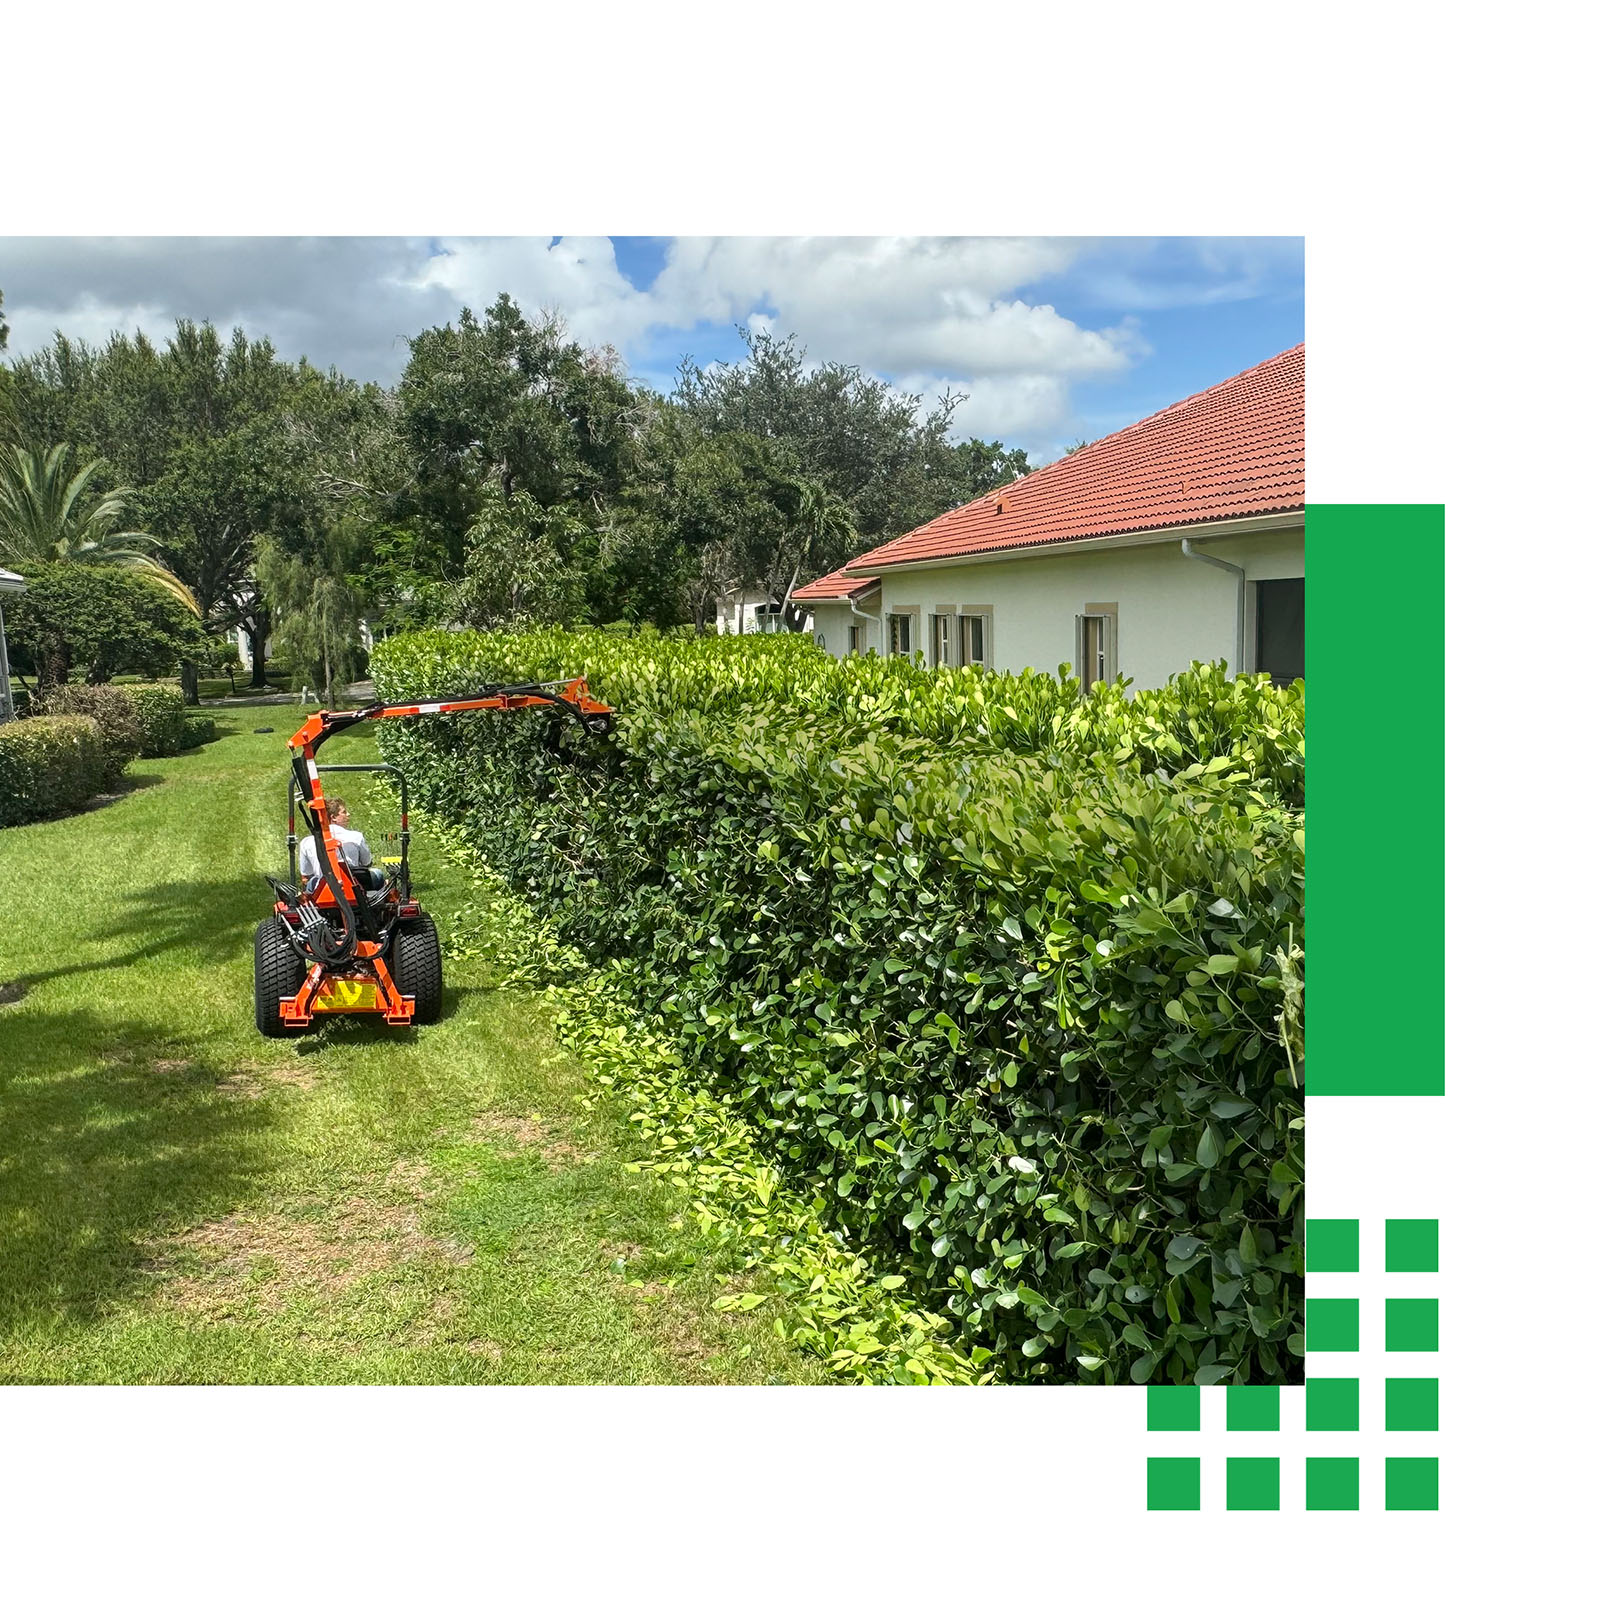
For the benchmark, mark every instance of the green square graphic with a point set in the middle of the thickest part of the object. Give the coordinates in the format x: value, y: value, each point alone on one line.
x: 1252, y: 1483
x: 1171, y: 1409
x: 1411, y: 1483
x: 1172, y: 1483
x: 1376, y: 1028
x: 1252, y: 1408
x: 1410, y: 1325
x: 1333, y: 1483
x: 1333, y: 1325
x: 1333, y: 1405
x: 1411, y: 1245
x: 1333, y: 1246
x: 1411, y: 1405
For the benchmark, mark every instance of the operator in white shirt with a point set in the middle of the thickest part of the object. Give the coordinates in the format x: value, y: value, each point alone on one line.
x: 352, y: 846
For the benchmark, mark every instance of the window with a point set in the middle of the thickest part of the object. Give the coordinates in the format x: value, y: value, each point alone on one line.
x: 1097, y: 645
x: 943, y: 638
x: 1281, y: 628
x: 900, y: 641
x: 856, y: 631
x: 974, y: 639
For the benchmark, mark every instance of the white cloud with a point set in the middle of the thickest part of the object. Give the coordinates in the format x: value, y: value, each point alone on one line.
x: 904, y: 308
x: 889, y: 304
x: 578, y: 277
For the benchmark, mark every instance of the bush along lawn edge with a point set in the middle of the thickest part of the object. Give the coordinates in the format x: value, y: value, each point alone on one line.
x: 827, y: 1299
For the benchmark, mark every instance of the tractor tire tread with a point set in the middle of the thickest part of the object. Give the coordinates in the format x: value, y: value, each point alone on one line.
x: 418, y: 966
x: 280, y: 971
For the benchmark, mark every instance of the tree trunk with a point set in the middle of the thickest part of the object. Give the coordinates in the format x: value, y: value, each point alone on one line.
x: 52, y: 665
x: 189, y: 679
x: 256, y: 629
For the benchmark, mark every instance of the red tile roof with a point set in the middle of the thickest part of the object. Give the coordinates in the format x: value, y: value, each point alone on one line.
x: 1235, y: 450
x: 835, y: 586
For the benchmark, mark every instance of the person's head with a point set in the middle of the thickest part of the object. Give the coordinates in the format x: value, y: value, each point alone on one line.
x: 339, y: 813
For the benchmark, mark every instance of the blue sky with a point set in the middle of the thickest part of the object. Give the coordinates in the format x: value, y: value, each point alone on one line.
x: 1052, y: 339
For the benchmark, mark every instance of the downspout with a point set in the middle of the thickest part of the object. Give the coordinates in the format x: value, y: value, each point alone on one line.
x: 866, y: 616
x: 1238, y: 625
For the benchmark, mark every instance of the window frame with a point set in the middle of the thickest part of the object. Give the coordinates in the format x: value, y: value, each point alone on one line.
x: 912, y: 616
x: 1104, y: 613
x: 942, y: 652
x: 984, y: 614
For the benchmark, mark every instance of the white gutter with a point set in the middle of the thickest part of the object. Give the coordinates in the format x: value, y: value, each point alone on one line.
x: 865, y: 616
x: 1269, y: 522
x: 1238, y: 626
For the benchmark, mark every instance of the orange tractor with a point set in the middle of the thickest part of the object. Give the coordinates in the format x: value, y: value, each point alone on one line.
x: 339, y: 944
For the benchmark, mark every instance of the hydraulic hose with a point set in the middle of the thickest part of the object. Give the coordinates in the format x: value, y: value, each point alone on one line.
x: 326, y: 945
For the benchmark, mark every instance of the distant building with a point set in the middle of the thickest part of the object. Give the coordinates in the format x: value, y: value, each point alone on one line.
x: 751, y: 611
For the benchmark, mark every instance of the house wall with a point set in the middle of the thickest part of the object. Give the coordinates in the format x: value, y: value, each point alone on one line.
x: 831, y: 622
x: 1170, y: 610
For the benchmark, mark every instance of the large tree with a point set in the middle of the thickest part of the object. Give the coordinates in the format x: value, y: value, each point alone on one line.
x: 318, y: 603
x: 877, y: 449
x: 508, y: 406
x: 520, y: 567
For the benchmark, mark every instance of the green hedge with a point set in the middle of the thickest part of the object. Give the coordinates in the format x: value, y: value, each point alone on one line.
x: 161, y: 718
x: 49, y: 766
x: 197, y: 730
x: 1008, y: 974
x: 114, y: 710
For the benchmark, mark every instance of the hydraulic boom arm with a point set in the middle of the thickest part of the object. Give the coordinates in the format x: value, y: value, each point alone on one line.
x: 568, y: 698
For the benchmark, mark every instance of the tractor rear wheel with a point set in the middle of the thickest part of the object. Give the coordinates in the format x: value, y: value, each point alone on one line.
x: 280, y: 971
x: 418, y: 970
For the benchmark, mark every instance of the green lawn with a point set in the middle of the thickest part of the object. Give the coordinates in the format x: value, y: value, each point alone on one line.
x: 184, y: 1201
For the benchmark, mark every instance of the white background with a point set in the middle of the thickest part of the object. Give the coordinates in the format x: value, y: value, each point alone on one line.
x: 1431, y: 156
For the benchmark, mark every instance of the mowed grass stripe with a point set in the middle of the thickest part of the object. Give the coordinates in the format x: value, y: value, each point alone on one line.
x: 184, y: 1201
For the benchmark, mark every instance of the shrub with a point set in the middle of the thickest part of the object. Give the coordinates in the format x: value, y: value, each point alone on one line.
x: 1009, y: 974
x: 48, y: 766
x: 196, y: 731
x: 161, y: 718
x: 102, y: 619
x: 115, y: 711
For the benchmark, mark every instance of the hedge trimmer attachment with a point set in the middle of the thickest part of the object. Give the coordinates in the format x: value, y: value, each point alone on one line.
x: 337, y: 942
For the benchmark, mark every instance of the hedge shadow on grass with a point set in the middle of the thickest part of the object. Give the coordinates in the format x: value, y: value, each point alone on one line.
x: 110, y: 1137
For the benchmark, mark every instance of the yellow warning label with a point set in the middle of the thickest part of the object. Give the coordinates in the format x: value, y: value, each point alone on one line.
x: 347, y: 994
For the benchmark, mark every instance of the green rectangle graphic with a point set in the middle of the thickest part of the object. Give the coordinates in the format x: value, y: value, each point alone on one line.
x: 1375, y: 799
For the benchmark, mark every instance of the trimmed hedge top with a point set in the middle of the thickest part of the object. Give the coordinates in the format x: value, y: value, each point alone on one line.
x: 1009, y: 975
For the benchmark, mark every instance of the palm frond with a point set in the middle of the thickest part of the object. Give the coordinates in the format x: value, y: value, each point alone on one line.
x: 49, y: 512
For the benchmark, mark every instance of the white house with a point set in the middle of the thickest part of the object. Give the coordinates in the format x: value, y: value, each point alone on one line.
x: 1181, y: 538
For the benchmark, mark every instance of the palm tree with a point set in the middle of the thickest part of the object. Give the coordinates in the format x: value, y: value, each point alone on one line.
x: 825, y: 528
x: 48, y: 512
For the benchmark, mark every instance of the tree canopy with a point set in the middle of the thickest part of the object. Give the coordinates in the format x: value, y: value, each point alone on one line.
x: 99, y: 619
x: 511, y: 475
